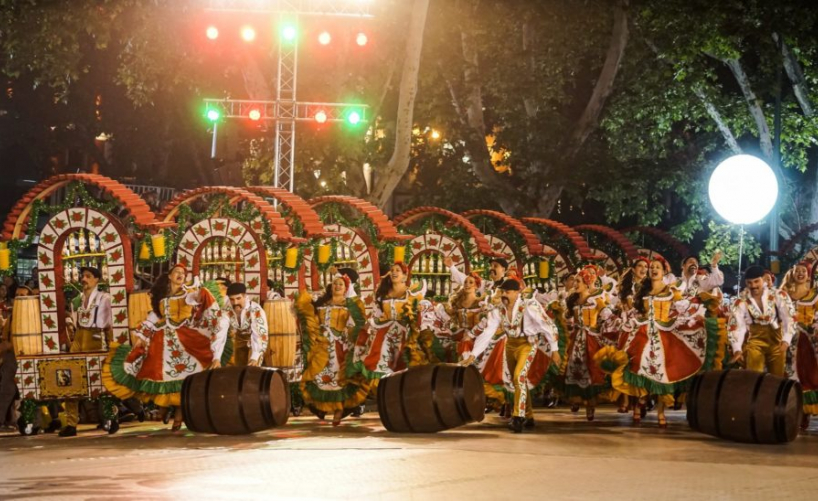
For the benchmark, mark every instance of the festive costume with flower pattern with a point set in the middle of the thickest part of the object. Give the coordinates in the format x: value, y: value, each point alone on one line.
x: 803, y: 353
x: 768, y: 324
x: 177, y: 344
x: 328, y: 382
x: 435, y: 338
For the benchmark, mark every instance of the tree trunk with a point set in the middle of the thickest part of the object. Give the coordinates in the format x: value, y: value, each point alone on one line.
x: 729, y: 138
x: 796, y: 76
x: 388, y: 178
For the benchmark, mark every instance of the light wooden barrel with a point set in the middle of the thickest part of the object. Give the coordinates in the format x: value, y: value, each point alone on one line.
x: 139, y: 306
x: 283, y: 334
x: 26, y: 327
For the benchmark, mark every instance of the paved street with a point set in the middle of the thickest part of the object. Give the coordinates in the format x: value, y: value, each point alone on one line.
x: 564, y: 458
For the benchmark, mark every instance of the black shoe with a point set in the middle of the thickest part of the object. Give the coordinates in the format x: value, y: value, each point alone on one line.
x: 140, y: 416
x: 68, y: 431
x: 358, y: 411
x: 516, y: 424
x: 574, y: 408
x: 54, y: 426
x: 529, y: 424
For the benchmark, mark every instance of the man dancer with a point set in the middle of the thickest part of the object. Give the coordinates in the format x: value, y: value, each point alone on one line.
x: 248, y: 325
x: 91, y: 331
x: 768, y: 316
x: 695, y: 281
x: 529, y: 335
x: 497, y: 272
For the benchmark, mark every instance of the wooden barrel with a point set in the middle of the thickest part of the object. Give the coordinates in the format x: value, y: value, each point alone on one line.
x: 235, y: 400
x: 26, y: 329
x: 283, y: 333
x: 139, y: 306
x: 745, y: 406
x: 431, y: 398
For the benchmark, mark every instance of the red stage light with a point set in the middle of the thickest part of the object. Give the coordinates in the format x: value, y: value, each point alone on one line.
x: 321, y: 117
x: 324, y: 38
x: 361, y: 39
x: 254, y: 114
x: 212, y: 32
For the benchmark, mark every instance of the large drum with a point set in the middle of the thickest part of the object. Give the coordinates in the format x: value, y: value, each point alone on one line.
x: 235, y: 400
x: 745, y: 406
x: 283, y: 333
x: 139, y: 306
x: 26, y: 329
x: 431, y: 398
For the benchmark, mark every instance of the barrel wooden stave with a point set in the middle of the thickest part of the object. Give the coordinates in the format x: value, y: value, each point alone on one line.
x: 282, y: 332
x: 429, y: 399
x: 745, y: 406
x: 235, y: 400
x: 26, y: 327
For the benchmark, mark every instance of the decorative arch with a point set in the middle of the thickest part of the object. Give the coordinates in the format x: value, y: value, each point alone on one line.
x: 17, y: 221
x: 384, y: 229
x: 117, y: 248
x: 619, y: 251
x: 297, y: 208
x: 566, y: 241
x: 277, y: 223
x: 660, y: 240
x: 408, y: 218
x: 249, y: 244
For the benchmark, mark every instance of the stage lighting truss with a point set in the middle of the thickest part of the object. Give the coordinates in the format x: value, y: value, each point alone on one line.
x: 272, y: 110
x: 350, y: 8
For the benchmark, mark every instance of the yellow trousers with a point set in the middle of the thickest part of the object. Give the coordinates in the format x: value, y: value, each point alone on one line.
x: 241, y: 351
x: 520, y: 355
x: 84, y: 340
x: 763, y: 350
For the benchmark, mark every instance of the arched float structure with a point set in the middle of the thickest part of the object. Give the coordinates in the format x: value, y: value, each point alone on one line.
x: 618, y: 251
x: 571, y: 248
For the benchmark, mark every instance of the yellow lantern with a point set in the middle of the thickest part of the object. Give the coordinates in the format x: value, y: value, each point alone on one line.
x: 544, y: 269
x: 291, y: 258
x: 323, y: 254
x: 158, y: 242
x: 144, y: 252
x: 400, y: 253
x: 5, y: 257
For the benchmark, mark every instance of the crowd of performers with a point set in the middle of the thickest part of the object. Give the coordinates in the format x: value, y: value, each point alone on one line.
x: 636, y: 342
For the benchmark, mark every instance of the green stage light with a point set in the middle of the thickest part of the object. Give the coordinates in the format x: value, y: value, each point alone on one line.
x: 213, y: 115
x: 289, y: 32
x: 354, y: 118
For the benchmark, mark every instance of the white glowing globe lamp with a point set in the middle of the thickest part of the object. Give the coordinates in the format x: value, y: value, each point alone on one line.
x: 743, y: 189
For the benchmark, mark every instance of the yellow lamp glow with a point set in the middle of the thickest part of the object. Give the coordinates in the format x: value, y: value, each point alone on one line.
x: 400, y: 253
x: 144, y: 252
x: 291, y: 258
x: 158, y: 242
x: 323, y: 253
x: 5, y: 259
x: 544, y: 269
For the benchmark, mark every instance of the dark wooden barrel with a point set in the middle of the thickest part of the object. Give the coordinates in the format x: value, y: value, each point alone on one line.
x: 235, y: 400
x: 745, y: 406
x: 431, y: 398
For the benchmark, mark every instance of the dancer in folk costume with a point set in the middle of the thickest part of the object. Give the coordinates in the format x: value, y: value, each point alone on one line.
x: 247, y: 331
x: 592, y: 325
x: 666, y: 342
x: 695, y: 280
x: 498, y: 269
x: 175, y: 341
x: 767, y: 315
x: 520, y: 331
x: 390, y: 343
x: 467, y: 315
x: 435, y: 338
x: 802, y: 355
x: 629, y: 286
x: 331, y: 325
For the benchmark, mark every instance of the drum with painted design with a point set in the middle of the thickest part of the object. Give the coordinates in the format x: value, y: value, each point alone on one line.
x: 26, y: 327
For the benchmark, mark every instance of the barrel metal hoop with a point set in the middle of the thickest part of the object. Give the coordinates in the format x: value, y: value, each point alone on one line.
x: 382, y: 410
x: 434, y: 397
x: 264, y: 396
x: 207, y: 403
x: 460, y: 396
x: 756, y: 391
x: 716, y: 400
x: 240, y: 400
x: 779, y: 411
x: 403, y: 403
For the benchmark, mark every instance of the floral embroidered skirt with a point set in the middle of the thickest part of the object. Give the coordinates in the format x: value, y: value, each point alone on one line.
x: 326, y: 383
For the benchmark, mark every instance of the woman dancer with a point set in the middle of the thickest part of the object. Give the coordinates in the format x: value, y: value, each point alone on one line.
x: 666, y: 341
x: 171, y: 344
x: 331, y: 324
x: 391, y: 343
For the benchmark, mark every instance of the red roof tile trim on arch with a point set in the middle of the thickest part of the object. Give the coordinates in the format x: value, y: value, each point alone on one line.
x: 571, y: 234
x: 535, y: 247
x: 621, y: 241
x: 300, y: 208
x: 480, y: 240
x: 385, y: 228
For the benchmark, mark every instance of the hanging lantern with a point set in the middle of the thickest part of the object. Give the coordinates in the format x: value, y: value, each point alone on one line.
x: 5, y: 257
x: 158, y: 242
x: 545, y: 269
x: 291, y: 258
x: 144, y: 252
x: 323, y: 254
x: 400, y: 254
